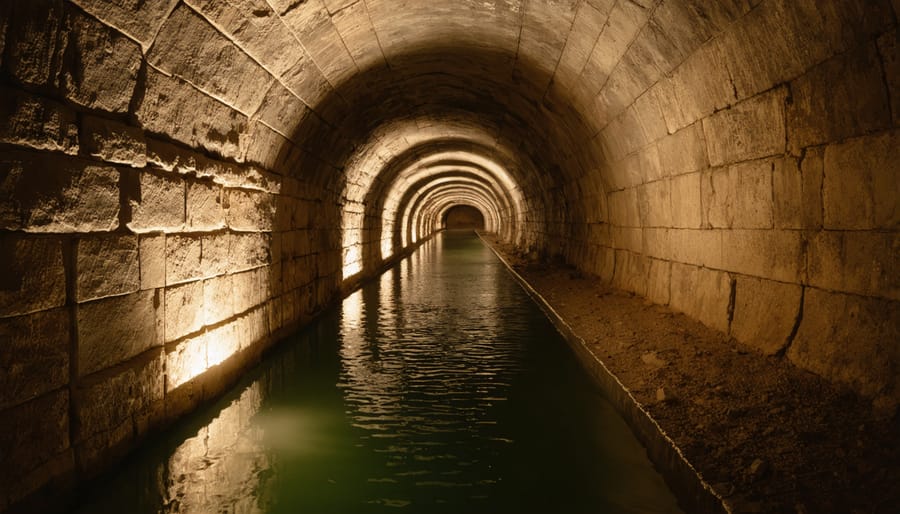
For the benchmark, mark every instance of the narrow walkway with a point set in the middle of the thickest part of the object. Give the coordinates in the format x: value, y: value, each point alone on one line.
x: 767, y: 436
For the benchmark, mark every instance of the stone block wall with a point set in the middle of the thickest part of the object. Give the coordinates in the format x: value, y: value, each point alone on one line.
x: 753, y: 183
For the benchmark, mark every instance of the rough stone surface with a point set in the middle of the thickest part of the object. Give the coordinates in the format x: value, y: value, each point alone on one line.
x: 34, y: 354
x: 751, y: 129
x: 182, y: 259
x: 218, y: 299
x: 157, y: 203
x: 185, y: 361
x: 739, y: 196
x: 113, y: 141
x: 776, y: 302
x: 864, y: 263
x: 702, y: 294
x: 36, y: 122
x: 772, y: 254
x: 34, y: 277
x: 184, y: 310
x: 32, y: 46
x: 103, y: 68
x: 115, y: 329
x: 852, y: 340
x: 139, y: 19
x: 683, y: 151
x: 205, y: 206
x: 152, y: 250
x: 686, y: 198
x: 216, y: 257
x: 46, y: 193
x: 889, y: 48
x: 250, y: 211
x: 33, y: 433
x: 107, y: 266
x: 250, y: 250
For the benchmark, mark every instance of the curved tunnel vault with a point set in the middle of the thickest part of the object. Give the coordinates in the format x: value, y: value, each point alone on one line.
x: 195, y: 178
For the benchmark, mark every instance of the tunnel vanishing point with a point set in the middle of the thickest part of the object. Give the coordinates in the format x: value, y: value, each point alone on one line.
x: 183, y: 182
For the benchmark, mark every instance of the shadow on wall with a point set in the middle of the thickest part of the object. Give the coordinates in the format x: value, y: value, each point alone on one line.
x: 463, y: 217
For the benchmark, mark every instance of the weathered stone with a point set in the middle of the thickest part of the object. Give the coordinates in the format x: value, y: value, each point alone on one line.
x: 845, y: 96
x: 658, y: 281
x: 113, y: 141
x: 185, y: 361
x: 33, y: 433
x: 153, y: 261
x: 686, y: 201
x: 751, y: 129
x: 250, y: 288
x: 170, y: 157
x: 850, y: 339
x: 305, y: 80
x: 103, y: 68
x: 698, y: 247
x: 184, y: 310
x: 157, y: 203
x: 47, y: 193
x: 218, y: 66
x: 282, y: 110
x: 625, y: 21
x: 182, y: 259
x: 32, y: 51
x: 862, y: 184
x: 623, y: 208
x: 701, y: 293
x: 889, y: 49
x: 139, y: 19
x: 355, y: 27
x: 683, y: 151
x: 34, y: 355
x: 739, y: 196
x: 313, y: 27
x: 218, y: 299
x: 205, y: 208
x: 173, y: 107
x: 773, y: 254
x: 250, y: 210
x: 113, y: 330
x: 797, y: 191
x: 702, y: 84
x: 225, y: 341
x: 655, y: 204
x: 261, y: 146
x: 217, y: 257
x: 864, y: 263
x: 107, y: 266
x: 33, y: 278
x: 765, y: 313
x: 32, y: 121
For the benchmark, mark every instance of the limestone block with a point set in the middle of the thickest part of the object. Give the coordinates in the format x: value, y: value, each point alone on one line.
x: 173, y: 107
x: 631, y: 272
x: 625, y: 21
x: 861, y: 183
x: 797, y: 191
x: 647, y: 110
x: 33, y: 433
x: 656, y: 243
x: 261, y: 146
x: 217, y: 257
x: 152, y: 250
x: 840, y: 98
x: 51, y: 193
x: 108, y: 401
x: 113, y: 141
x: 655, y: 204
x: 255, y: 27
x: 355, y: 27
x: 684, y: 151
x: 182, y: 259
x: 140, y: 20
x: 650, y: 164
x: 34, y: 278
x: 34, y: 355
x: 312, y: 26
x: 772, y: 254
x: 113, y: 330
x: 658, y: 279
x: 623, y: 208
x: 865, y: 263
x: 739, y: 196
x: 698, y: 247
x: 107, y: 266
x: 627, y: 238
x: 250, y: 288
x: 751, y: 129
x: 205, y: 207
x: 765, y: 313
x: 218, y: 299
x: 217, y: 65
x: 686, y: 201
x: 32, y: 43
x: 305, y: 80
x: 225, y: 341
x: 170, y: 157
x: 282, y: 110
x: 850, y: 339
x: 702, y: 84
x: 250, y: 210
x: 702, y: 294
x: 244, y: 176
x: 156, y: 201
x: 889, y: 49
x: 32, y: 121
x: 185, y: 361
x: 184, y: 310
x: 103, y: 70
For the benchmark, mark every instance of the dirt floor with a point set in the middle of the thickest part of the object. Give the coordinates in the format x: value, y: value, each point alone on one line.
x: 769, y: 437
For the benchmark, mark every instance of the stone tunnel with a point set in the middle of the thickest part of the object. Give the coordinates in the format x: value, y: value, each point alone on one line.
x: 183, y: 182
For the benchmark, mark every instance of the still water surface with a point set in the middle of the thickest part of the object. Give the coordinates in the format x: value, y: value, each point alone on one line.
x: 439, y: 387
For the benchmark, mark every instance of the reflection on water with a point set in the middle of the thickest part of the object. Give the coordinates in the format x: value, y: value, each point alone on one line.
x: 439, y: 387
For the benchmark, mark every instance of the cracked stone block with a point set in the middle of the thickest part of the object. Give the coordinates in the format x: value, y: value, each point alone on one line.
x: 157, y: 202
x: 751, y: 129
x: 113, y: 141
x: 34, y: 277
x: 113, y: 330
x: 152, y: 250
x: 28, y: 120
x: 139, y: 19
x: 54, y: 193
x: 182, y: 259
x: 103, y: 70
x: 184, y: 310
x: 107, y: 266
x: 775, y: 302
x: 739, y: 196
x: 205, y: 206
x: 34, y: 354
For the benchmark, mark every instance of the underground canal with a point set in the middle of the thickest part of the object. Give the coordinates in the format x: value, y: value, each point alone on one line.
x: 438, y: 387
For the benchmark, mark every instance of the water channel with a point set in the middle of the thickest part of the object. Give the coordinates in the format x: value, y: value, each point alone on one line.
x: 438, y: 387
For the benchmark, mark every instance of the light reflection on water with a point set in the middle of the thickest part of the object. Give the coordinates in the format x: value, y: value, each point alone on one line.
x: 437, y: 388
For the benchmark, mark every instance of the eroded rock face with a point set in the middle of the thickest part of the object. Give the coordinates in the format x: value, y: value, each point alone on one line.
x: 173, y: 170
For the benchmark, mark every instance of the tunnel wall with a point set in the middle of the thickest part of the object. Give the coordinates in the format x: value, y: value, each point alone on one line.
x: 752, y: 181
x: 151, y: 239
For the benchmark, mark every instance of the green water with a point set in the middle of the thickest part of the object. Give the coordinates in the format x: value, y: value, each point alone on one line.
x: 439, y: 387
